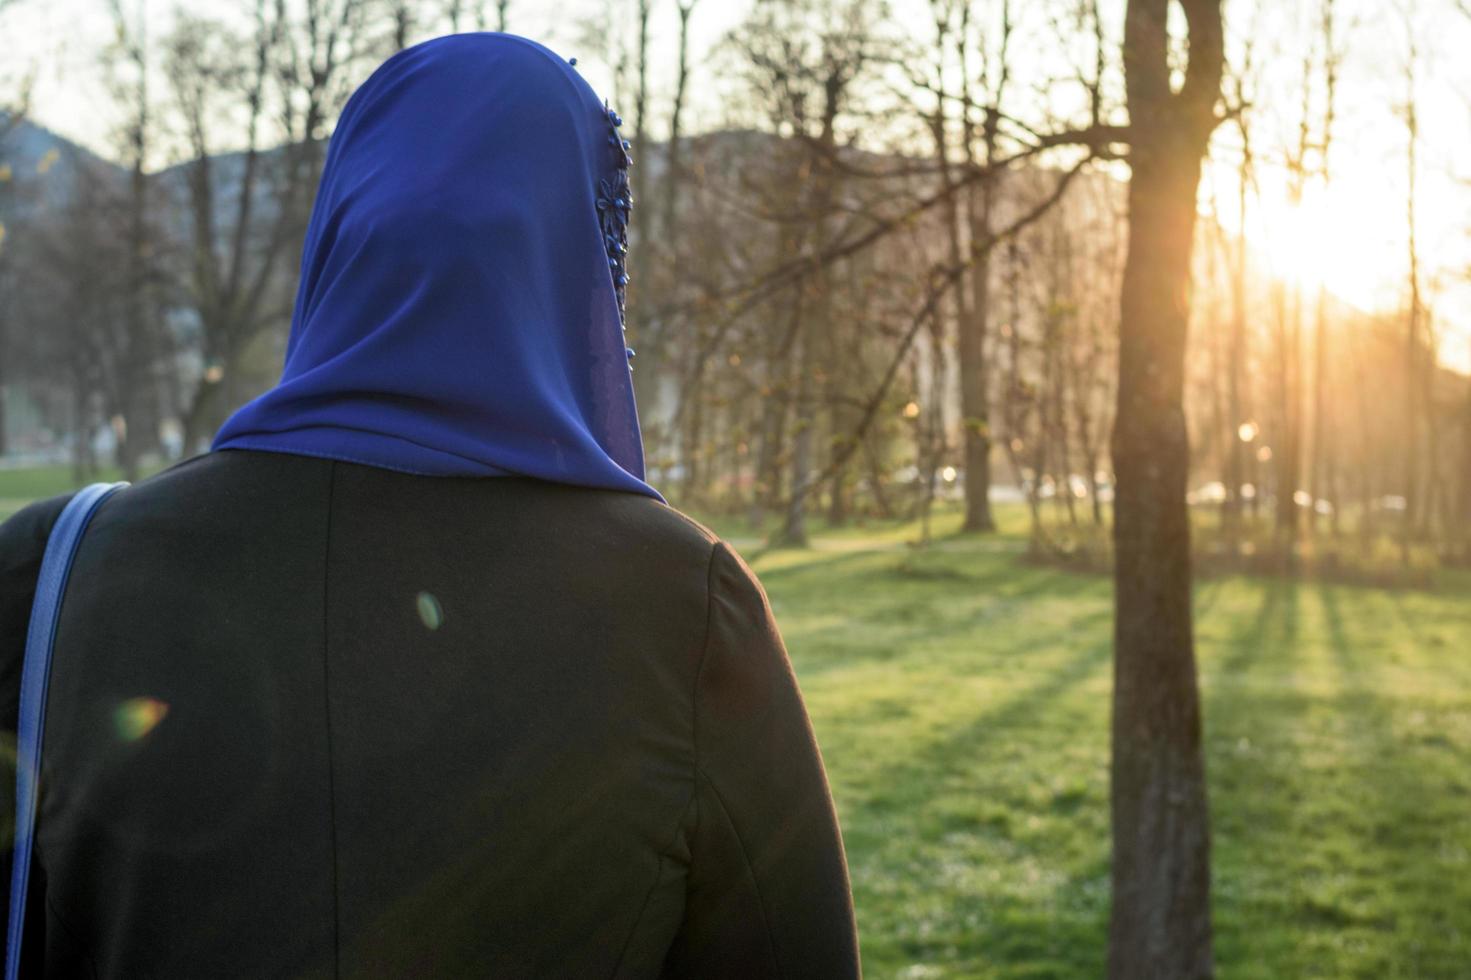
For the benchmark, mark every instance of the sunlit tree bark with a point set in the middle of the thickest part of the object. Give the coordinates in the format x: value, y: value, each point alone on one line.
x: 1160, y: 925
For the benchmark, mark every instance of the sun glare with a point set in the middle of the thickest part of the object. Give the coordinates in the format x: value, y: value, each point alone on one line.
x: 1325, y: 241
x: 1350, y: 239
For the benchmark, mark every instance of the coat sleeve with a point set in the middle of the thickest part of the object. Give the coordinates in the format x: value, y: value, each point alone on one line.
x: 768, y: 892
x: 22, y: 546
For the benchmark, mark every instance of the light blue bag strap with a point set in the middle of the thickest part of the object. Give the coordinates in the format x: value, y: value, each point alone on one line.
x: 56, y: 565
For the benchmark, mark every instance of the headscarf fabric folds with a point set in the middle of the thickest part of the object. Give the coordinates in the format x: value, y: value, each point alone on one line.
x: 458, y: 313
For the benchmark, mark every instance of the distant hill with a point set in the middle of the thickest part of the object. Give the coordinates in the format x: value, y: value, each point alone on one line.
x: 44, y: 168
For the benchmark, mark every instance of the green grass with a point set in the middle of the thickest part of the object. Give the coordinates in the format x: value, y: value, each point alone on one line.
x: 20, y: 487
x: 961, y: 698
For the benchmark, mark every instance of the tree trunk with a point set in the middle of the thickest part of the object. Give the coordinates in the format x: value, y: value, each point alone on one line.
x: 975, y: 369
x: 794, y: 530
x: 673, y: 163
x: 83, y: 464
x: 1287, y: 453
x: 692, y: 438
x: 4, y: 443
x: 814, y: 331
x: 837, y: 505
x: 975, y: 400
x: 1236, y: 363
x: 766, y: 490
x: 876, y: 479
x: 1318, y: 460
x: 1160, y: 925
x: 641, y: 107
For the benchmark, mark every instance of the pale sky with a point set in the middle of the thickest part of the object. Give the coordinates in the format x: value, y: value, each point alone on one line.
x: 1351, y: 234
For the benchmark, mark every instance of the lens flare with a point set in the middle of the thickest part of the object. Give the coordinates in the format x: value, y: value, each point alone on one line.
x: 136, y: 717
x: 430, y: 612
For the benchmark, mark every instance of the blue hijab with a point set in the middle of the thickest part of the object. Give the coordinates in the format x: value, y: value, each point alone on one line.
x: 460, y: 311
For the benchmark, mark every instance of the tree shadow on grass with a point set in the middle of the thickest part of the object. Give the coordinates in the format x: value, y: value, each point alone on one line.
x: 1205, y: 597
x: 1404, y: 776
x: 1054, y: 931
x: 893, y: 631
x: 1326, y: 828
x: 1251, y: 766
x: 1268, y: 636
x: 862, y: 616
x: 960, y: 617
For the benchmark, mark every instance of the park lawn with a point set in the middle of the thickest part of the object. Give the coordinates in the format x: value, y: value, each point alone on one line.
x: 20, y: 487
x: 961, y: 699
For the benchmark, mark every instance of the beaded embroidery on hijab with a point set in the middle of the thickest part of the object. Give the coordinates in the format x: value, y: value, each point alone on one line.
x: 463, y: 280
x: 615, y: 202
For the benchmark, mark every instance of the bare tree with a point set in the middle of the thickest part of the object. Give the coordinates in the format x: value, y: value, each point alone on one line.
x: 1322, y: 461
x: 804, y: 59
x: 674, y: 175
x: 641, y: 104
x: 1160, y: 923
x: 975, y: 325
x: 1414, y: 342
x: 135, y: 344
x: 930, y: 424
x: 78, y: 271
x: 231, y: 269
x: 1091, y: 360
x: 1237, y: 411
x: 287, y: 79
x: 12, y: 113
x: 1022, y: 434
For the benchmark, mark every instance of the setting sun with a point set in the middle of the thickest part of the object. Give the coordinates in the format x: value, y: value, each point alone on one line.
x: 1321, y: 240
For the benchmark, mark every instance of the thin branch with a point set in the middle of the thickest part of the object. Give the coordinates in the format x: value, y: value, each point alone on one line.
x: 941, y: 283
x: 1097, y: 139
